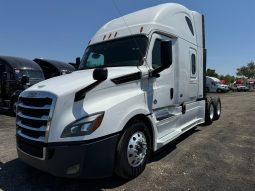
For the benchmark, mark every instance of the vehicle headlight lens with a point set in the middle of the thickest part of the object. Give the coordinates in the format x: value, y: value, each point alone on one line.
x: 83, y: 126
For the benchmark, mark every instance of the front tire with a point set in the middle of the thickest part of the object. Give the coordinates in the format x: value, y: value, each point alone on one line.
x: 133, y: 150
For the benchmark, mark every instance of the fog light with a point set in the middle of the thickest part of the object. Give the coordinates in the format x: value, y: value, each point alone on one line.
x: 73, y: 169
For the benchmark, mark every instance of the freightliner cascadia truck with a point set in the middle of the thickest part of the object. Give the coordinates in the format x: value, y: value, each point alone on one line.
x: 140, y: 85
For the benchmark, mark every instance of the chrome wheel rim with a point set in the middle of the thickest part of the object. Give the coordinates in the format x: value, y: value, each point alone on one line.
x: 137, y: 149
x: 218, y: 109
x: 211, y: 112
x: 14, y: 107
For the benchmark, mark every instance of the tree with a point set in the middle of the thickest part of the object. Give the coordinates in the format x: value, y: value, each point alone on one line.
x: 212, y: 73
x: 229, y: 79
x: 247, y: 71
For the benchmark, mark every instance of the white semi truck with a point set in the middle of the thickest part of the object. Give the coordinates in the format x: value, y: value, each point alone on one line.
x: 140, y: 85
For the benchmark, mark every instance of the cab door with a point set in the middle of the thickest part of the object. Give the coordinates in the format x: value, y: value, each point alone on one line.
x: 163, y: 87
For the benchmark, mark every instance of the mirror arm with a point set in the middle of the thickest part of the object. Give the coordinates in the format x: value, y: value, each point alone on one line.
x: 155, y: 73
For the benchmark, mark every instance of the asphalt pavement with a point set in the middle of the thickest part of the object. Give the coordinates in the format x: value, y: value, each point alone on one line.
x: 218, y: 157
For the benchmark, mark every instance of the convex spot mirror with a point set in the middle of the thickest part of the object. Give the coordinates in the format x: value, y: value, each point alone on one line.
x: 100, y: 74
x: 24, y: 80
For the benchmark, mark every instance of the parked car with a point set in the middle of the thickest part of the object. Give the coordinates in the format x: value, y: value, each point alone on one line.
x: 242, y: 88
x: 16, y: 75
x: 53, y: 68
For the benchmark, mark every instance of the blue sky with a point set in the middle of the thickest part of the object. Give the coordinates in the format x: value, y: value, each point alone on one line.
x: 61, y: 29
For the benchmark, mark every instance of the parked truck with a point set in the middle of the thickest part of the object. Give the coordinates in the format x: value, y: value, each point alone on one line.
x: 140, y: 85
x: 53, y: 68
x: 16, y: 74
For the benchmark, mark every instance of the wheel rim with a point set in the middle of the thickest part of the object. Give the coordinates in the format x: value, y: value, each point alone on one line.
x: 211, y: 112
x: 137, y: 149
x: 14, y: 107
x: 218, y: 109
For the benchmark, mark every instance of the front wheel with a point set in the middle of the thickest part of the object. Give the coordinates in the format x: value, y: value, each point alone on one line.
x: 13, y: 107
x: 133, y: 150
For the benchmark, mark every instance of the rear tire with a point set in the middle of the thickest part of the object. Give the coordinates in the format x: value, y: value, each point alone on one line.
x: 133, y: 150
x: 209, y: 112
x: 217, y: 108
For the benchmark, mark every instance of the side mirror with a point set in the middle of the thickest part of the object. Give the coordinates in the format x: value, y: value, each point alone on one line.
x: 24, y: 80
x: 4, y: 77
x: 166, y: 53
x: 78, y: 62
x: 100, y: 74
x: 166, y: 58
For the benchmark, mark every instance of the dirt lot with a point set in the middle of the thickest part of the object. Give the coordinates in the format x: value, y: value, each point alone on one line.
x: 218, y: 157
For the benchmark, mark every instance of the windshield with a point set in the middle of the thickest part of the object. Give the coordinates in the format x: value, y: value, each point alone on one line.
x: 122, y: 52
x: 32, y: 74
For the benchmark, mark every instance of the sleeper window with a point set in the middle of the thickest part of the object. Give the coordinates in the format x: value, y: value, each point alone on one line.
x: 193, y: 64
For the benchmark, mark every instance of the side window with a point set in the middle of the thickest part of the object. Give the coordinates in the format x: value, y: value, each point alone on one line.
x: 156, y: 54
x: 193, y: 64
x: 190, y: 25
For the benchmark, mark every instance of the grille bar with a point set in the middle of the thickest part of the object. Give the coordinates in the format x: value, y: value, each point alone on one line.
x: 33, y: 107
x: 39, y: 139
x: 43, y: 118
x: 41, y: 128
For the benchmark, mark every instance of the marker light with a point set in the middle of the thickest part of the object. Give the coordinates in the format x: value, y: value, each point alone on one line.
x: 141, y: 29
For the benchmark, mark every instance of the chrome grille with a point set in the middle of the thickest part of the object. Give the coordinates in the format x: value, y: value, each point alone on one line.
x: 34, y: 116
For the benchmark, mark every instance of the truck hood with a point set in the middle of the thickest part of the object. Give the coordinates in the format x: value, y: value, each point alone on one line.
x: 71, y: 83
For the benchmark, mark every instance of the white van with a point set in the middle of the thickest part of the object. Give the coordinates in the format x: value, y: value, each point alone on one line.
x: 213, y: 85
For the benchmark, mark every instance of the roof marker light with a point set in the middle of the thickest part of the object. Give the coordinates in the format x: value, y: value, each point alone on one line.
x: 110, y: 36
x: 115, y: 34
x: 104, y: 36
x: 141, y: 29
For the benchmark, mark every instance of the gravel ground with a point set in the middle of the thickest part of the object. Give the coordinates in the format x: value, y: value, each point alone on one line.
x: 217, y: 157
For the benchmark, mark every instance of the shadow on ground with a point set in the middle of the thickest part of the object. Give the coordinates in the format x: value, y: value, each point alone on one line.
x: 161, y: 153
x: 16, y: 176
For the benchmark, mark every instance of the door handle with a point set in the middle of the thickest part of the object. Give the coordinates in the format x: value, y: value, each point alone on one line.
x: 171, y: 93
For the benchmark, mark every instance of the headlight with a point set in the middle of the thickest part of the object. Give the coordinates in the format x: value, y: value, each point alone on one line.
x: 83, y: 126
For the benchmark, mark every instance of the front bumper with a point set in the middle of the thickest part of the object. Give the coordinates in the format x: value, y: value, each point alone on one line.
x: 93, y: 159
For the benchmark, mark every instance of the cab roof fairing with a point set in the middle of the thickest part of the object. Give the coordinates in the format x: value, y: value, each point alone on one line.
x: 168, y: 18
x: 20, y: 63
